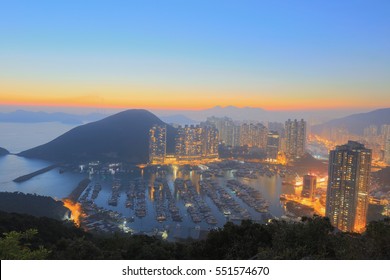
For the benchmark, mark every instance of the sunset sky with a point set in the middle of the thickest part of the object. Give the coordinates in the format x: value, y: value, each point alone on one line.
x: 195, y: 54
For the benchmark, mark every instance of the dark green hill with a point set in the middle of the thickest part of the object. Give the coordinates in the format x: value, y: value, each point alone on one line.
x: 123, y: 137
x: 356, y: 123
x: 36, y: 205
x: 3, y: 152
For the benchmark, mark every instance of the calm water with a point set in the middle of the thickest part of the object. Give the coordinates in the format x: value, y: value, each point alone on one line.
x: 18, y: 137
x: 270, y: 188
x: 51, y: 183
x: 60, y: 185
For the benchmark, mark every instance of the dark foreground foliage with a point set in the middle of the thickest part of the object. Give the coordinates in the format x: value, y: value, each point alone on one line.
x: 313, y: 238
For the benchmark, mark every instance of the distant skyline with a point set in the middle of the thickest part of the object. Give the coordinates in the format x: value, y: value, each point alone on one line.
x: 275, y: 55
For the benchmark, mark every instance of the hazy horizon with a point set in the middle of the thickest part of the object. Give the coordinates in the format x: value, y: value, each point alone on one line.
x: 234, y: 112
x: 90, y: 109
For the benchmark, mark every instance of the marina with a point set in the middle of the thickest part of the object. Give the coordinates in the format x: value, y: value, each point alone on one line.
x: 180, y: 201
x: 147, y: 198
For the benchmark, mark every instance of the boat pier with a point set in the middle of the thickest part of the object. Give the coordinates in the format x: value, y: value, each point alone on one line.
x: 75, y: 194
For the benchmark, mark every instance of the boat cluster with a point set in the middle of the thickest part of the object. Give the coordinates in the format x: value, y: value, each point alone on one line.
x: 96, y: 190
x: 140, y: 198
x: 163, y: 193
x: 226, y: 204
x: 99, y: 219
x: 115, y: 194
x: 159, y: 201
x: 250, y: 196
x: 197, y: 209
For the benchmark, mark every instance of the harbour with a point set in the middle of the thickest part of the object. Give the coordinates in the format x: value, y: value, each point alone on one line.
x: 177, y: 201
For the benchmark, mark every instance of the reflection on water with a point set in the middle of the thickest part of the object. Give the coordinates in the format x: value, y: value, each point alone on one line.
x: 270, y: 188
x: 60, y: 185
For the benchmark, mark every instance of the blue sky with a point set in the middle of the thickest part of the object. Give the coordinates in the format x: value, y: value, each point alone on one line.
x: 271, y: 54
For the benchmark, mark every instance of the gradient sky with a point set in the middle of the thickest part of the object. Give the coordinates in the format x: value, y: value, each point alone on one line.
x: 195, y: 54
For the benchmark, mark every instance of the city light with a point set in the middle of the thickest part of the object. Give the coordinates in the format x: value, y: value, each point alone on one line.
x: 75, y: 209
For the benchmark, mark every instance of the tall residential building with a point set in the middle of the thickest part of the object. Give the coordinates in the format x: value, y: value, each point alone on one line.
x: 253, y: 135
x: 295, y: 135
x: 196, y: 142
x: 370, y: 131
x: 188, y: 144
x: 385, y: 142
x: 228, y: 131
x: 236, y: 136
x: 210, y: 141
x: 387, y: 151
x: 157, y: 144
x: 309, y: 186
x: 347, y: 192
x: 273, y: 145
x: 385, y: 132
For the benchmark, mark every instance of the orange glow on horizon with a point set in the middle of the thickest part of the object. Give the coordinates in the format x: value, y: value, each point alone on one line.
x: 144, y: 97
x: 185, y: 106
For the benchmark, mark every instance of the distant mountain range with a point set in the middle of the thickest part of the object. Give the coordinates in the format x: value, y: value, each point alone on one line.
x: 356, y: 123
x: 123, y: 137
x: 22, y: 116
x: 183, y: 117
x: 253, y: 114
x: 3, y: 152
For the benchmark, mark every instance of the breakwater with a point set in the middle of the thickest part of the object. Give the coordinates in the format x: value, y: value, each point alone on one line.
x: 35, y: 173
x: 74, y: 196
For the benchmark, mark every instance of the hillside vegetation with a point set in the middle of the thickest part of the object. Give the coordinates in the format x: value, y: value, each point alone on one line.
x: 313, y: 238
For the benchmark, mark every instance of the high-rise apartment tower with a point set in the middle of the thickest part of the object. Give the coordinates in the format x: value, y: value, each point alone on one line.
x: 295, y: 135
x: 348, y: 182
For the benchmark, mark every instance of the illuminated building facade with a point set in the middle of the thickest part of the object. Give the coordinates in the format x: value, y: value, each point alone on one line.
x: 273, y: 145
x: 210, y: 141
x: 385, y: 132
x: 253, y: 135
x: 196, y: 142
x: 236, y: 136
x: 309, y: 186
x: 228, y: 131
x: 387, y: 151
x: 385, y: 143
x: 157, y: 144
x: 188, y: 143
x: 370, y: 131
x: 347, y: 192
x: 295, y: 136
